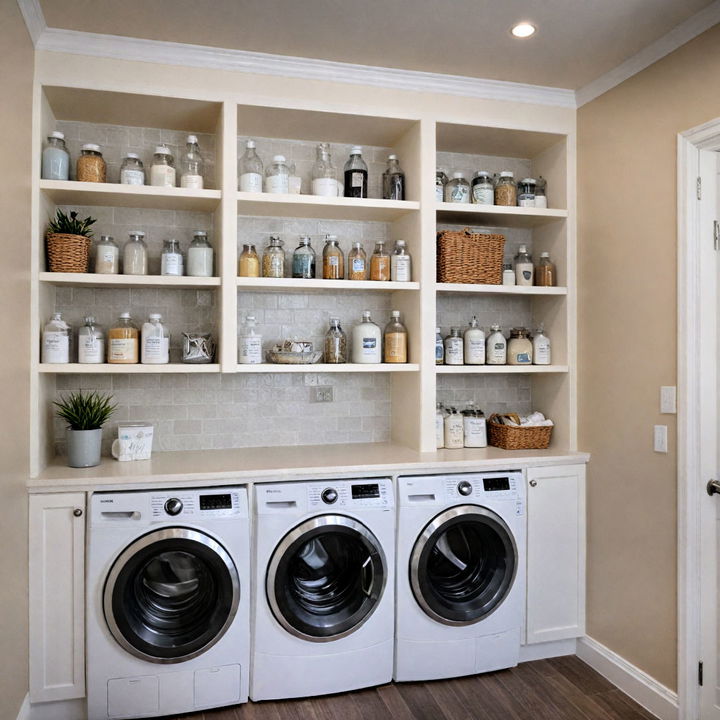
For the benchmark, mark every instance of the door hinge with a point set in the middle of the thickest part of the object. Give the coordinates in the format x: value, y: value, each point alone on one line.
x: 700, y: 673
x: 698, y: 188
x: 716, y: 234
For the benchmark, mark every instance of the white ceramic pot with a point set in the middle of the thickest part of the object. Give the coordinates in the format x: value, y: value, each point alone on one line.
x: 83, y: 447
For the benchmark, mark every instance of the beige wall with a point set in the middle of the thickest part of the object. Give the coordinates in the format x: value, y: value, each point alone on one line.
x: 16, y: 70
x: 627, y: 347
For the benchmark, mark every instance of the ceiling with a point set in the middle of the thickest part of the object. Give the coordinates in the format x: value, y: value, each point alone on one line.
x: 577, y: 40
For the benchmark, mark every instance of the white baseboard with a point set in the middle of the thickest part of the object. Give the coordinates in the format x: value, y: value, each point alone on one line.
x: 542, y: 651
x: 643, y: 689
x: 24, y: 713
x: 59, y: 710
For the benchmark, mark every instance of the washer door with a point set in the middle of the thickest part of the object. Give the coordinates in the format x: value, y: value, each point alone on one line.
x: 463, y: 565
x: 325, y: 578
x: 171, y: 595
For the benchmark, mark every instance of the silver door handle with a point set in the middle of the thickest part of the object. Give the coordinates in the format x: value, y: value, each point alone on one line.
x: 713, y: 487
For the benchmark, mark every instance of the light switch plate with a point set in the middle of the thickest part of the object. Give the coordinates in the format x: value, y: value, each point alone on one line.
x: 668, y: 400
x: 660, y: 438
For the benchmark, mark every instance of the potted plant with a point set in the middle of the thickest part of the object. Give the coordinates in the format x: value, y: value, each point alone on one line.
x: 68, y: 242
x: 85, y: 414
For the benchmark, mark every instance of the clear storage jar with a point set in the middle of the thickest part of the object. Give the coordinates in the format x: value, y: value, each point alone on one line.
x: 273, y: 261
x: 506, y: 190
x: 91, y: 166
x: 132, y: 171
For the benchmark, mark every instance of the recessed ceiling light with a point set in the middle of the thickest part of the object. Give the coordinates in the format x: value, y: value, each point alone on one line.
x: 523, y: 30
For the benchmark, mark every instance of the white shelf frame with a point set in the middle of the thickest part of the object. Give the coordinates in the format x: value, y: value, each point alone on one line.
x: 296, y: 284
x: 100, y: 280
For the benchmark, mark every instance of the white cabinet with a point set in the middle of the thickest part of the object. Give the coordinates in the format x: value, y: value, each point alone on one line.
x: 555, y: 553
x: 57, y: 596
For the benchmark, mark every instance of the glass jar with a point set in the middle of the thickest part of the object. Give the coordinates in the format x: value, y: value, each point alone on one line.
x: 107, y: 256
x: 506, y: 190
x: 162, y: 170
x: 155, y: 341
x: 458, y: 189
x: 400, y: 263
x: 200, y: 256
x: 132, y: 171
x: 483, y: 190
x: 249, y: 262
x: 251, y: 170
x: 357, y: 263
x: 542, y: 354
x: 454, y: 348
x: 91, y: 343
x: 135, y: 261
x: 441, y: 180
x: 393, y: 180
x: 303, y: 262
x: 439, y: 348
x: 277, y: 176
x: 55, y: 158
x: 335, y: 343
x: 90, y: 165
x: 395, y: 340
x: 474, y: 427
x: 56, y: 341
x: 249, y: 343
x: 192, y: 165
x: 541, y: 193
x: 123, y: 341
x: 380, y: 263
x: 545, y: 272
x: 496, y: 347
x: 273, y: 261
x: 526, y: 192
x: 171, y: 259
x: 333, y: 259
x: 453, y: 429
x: 519, y: 348
x: 356, y: 174
x: 294, y: 180
x: 324, y: 174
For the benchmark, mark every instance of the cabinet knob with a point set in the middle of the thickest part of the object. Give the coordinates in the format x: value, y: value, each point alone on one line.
x: 533, y: 483
x: 77, y: 512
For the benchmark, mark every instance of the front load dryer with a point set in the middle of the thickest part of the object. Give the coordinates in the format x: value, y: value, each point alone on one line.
x: 323, y: 596
x: 168, y: 577
x: 460, y: 574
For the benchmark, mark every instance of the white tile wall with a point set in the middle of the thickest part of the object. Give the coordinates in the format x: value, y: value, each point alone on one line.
x: 470, y: 164
x: 491, y: 393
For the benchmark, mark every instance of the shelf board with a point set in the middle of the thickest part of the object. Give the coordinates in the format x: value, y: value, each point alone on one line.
x: 325, y: 368
x: 71, y: 192
x: 499, y: 289
x: 102, y: 368
x: 330, y: 208
x: 499, y: 369
x: 496, y: 215
x: 299, y: 285
x: 126, y: 281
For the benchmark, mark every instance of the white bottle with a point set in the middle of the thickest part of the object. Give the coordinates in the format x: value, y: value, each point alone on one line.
x: 454, y: 350
x: 171, y: 259
x: 496, y: 347
x: 91, y: 342
x: 251, y: 170
x: 454, y: 430
x: 400, y: 263
x: 541, y: 348
x: 155, y: 342
x: 162, y: 170
x: 200, y: 256
x: 277, y: 176
x: 439, y: 426
x: 474, y: 344
x: 366, y: 341
x: 524, y: 268
x: 474, y: 427
x: 249, y: 343
x: 56, y: 341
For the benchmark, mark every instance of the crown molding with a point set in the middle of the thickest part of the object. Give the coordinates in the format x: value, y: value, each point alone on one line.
x: 34, y: 19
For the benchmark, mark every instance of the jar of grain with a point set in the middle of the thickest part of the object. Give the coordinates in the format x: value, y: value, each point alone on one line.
x: 520, y: 348
x: 380, y: 263
x: 506, y: 190
x: 249, y: 263
x: 90, y: 165
x: 545, y: 272
x: 335, y: 343
x: 333, y: 259
x: 273, y: 262
x: 123, y: 341
x: 357, y: 263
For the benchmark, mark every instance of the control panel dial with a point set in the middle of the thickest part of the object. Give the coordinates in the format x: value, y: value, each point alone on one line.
x: 465, y: 488
x: 329, y: 496
x: 173, y: 506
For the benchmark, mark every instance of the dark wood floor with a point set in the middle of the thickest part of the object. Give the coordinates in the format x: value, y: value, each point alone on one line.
x: 558, y: 689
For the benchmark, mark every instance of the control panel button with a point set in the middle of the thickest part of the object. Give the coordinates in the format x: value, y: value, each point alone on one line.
x: 173, y: 506
x: 329, y: 496
x: 465, y: 488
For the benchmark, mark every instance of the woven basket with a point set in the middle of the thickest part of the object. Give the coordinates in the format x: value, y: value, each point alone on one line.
x: 68, y: 253
x: 467, y: 257
x: 517, y: 438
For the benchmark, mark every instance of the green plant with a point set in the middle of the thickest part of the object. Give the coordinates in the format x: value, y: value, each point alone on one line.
x: 85, y: 411
x: 62, y: 224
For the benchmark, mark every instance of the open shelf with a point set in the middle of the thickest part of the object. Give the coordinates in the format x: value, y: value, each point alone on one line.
x: 499, y: 369
x: 118, y: 368
x: 127, y: 281
x: 299, y: 285
x: 499, y: 289
x: 497, y: 215
x: 329, y: 368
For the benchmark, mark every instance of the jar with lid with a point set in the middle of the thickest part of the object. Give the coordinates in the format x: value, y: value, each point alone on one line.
x: 155, y: 341
x: 545, y: 272
x: 541, y: 193
x: 91, y: 166
x: 496, y: 347
x: 132, y: 171
x: 524, y: 270
x: 519, y: 348
x: 508, y: 276
x: 483, y: 190
x: 356, y: 174
x: 357, y: 262
x: 335, y: 343
x: 474, y: 344
x: 366, y: 341
x: 200, y: 256
x: 380, y: 263
x: 171, y: 259
x: 458, y: 189
x: 303, y: 262
x: 453, y: 429
x: 439, y: 426
x: 439, y: 348
x: 333, y: 259
x: 277, y: 176
x: 294, y: 180
x: 55, y: 158
x: 396, y: 340
x: 474, y: 427
x: 273, y: 261
x: 249, y: 262
x: 454, y: 350
x: 56, y: 341
x: 526, y: 192
x: 123, y: 341
x: 107, y: 256
x: 251, y: 169
x: 542, y: 354
x: 162, y: 170
x: 249, y: 343
x: 393, y: 180
x: 441, y: 180
x: 191, y: 165
x: 135, y: 261
x: 91, y: 342
x: 400, y: 263
x: 324, y: 174
x: 506, y: 190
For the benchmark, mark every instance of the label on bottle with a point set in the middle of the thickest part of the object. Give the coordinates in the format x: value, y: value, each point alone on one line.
x: 56, y: 347
x: 400, y: 268
x: 327, y: 187
x: 171, y: 264
x: 483, y: 194
x: 522, y: 358
x: 524, y: 273
x: 277, y: 184
x: 333, y: 260
x: 459, y: 194
x: 107, y: 261
x: 453, y: 431
x: 155, y: 349
x: 474, y: 432
x: 91, y: 349
x: 454, y: 351
x: 439, y: 431
x: 162, y: 176
x: 541, y: 351
x: 200, y: 262
x: 369, y: 343
x: 250, y: 350
x: 395, y: 347
x: 358, y: 265
x: 123, y: 350
x: 439, y: 352
x: 251, y: 182
x: 132, y: 177
x: 303, y: 266
x: 475, y: 349
x: 357, y: 179
x: 497, y: 351
x: 195, y: 182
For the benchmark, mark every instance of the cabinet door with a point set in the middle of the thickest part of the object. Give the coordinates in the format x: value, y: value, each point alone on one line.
x: 57, y: 596
x: 555, y: 553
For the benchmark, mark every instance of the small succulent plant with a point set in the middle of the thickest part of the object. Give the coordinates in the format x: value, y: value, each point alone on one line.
x: 63, y: 224
x: 85, y: 411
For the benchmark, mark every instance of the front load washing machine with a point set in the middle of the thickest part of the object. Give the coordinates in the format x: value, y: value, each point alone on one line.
x: 168, y: 577
x: 323, y: 597
x: 460, y: 574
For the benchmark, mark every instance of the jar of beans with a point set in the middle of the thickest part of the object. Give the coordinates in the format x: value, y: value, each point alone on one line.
x: 506, y: 190
x: 91, y: 165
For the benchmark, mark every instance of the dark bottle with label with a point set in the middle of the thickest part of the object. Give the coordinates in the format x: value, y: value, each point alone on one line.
x: 393, y: 180
x: 356, y: 174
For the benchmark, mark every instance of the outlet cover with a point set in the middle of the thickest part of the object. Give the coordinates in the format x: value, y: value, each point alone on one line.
x: 321, y: 394
x: 660, y: 436
x: 668, y: 400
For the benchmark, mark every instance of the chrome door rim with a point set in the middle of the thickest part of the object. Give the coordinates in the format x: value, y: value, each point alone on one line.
x: 155, y: 536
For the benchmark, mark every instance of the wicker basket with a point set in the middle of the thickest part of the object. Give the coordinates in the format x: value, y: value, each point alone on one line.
x: 517, y: 438
x: 68, y: 253
x: 467, y: 257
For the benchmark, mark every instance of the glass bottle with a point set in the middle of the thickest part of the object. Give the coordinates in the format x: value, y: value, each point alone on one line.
x: 294, y: 180
x: 135, y: 260
x: 200, y: 256
x: 542, y: 353
x: 474, y: 427
x: 439, y: 426
x: 333, y: 260
x: 400, y: 263
x: 496, y: 347
x: 439, y: 348
x: 506, y: 190
x: 277, y: 176
x: 458, y: 189
x: 56, y: 341
x: 123, y: 341
x: 356, y: 174
x: 249, y: 343
x: 483, y: 190
x: 396, y: 340
x: 335, y: 343
x: 251, y: 170
x: 393, y: 180
x: 55, y: 158
x: 303, y: 262
x: 545, y: 272
x: 132, y: 171
x: 366, y: 341
x: 453, y: 429
x: 90, y: 165
x: 474, y: 344
x: 524, y: 270
x: 324, y: 174
x: 380, y: 263
x: 441, y: 180
x: 162, y: 170
x: 526, y: 192
x: 171, y: 259
x: 454, y: 348
x: 357, y: 262
x: 107, y: 256
x: 91, y: 342
x: 541, y: 193
x: 519, y: 348
x: 273, y: 261
x: 192, y: 165
x: 249, y: 262
x: 155, y: 341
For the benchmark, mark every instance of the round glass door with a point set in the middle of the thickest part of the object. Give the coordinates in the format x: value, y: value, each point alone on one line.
x: 326, y: 578
x: 171, y: 595
x: 463, y: 565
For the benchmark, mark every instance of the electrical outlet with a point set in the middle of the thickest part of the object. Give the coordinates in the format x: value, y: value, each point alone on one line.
x: 668, y: 400
x: 321, y: 393
x: 660, y: 439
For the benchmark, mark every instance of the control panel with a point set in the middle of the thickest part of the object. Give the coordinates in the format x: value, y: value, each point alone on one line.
x: 500, y: 485
x: 351, y: 494
x: 194, y: 504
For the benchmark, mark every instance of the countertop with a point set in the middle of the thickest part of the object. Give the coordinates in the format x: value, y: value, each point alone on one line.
x: 219, y: 467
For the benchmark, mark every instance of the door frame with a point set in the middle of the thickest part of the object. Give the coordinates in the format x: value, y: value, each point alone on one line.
x: 693, y: 455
